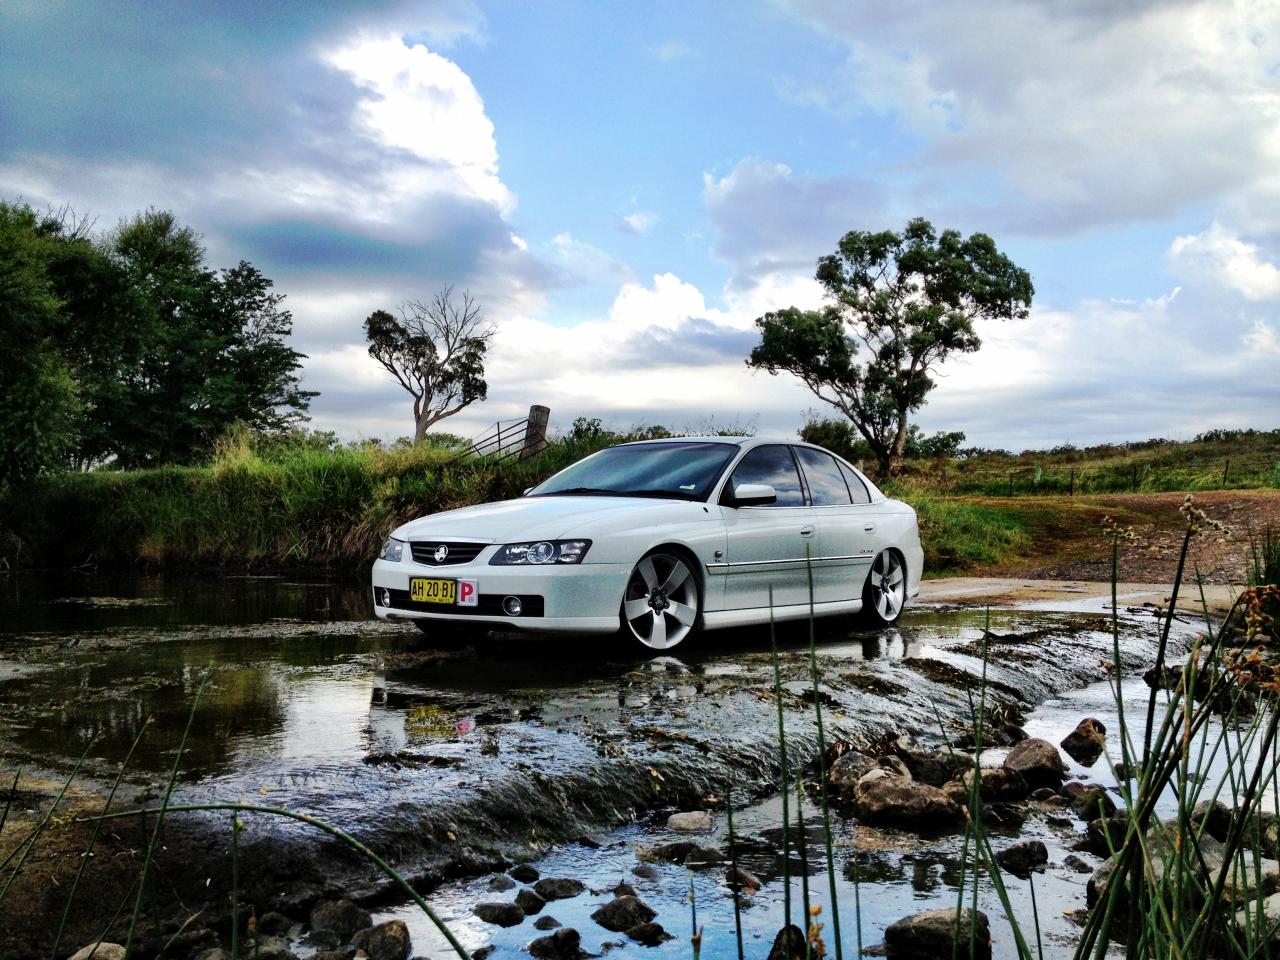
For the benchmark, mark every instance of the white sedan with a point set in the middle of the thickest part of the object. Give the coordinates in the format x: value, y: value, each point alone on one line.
x: 659, y: 539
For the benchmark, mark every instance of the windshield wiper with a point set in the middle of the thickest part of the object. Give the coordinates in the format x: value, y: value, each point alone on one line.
x: 660, y: 494
x: 570, y: 491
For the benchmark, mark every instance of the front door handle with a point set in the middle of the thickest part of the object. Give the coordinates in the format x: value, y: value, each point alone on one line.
x: 806, y: 531
x: 870, y: 528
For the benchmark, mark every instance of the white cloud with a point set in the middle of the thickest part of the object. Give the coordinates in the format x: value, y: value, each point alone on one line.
x: 1263, y: 339
x: 671, y: 50
x: 638, y: 222
x: 1094, y: 113
x: 1219, y: 257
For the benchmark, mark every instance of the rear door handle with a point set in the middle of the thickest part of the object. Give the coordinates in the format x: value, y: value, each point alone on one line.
x: 806, y: 531
x: 870, y: 528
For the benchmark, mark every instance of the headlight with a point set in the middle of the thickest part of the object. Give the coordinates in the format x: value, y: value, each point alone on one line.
x: 540, y: 553
x: 392, y: 550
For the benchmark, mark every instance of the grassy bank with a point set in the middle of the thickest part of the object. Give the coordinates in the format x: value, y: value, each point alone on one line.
x: 332, y: 507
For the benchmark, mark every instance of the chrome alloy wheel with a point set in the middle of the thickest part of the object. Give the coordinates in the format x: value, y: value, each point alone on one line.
x: 886, y: 589
x: 660, y: 604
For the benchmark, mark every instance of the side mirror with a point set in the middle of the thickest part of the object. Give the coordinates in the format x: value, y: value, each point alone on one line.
x: 526, y: 491
x: 753, y: 495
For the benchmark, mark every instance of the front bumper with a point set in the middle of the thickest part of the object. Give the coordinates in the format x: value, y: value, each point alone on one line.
x: 582, y: 598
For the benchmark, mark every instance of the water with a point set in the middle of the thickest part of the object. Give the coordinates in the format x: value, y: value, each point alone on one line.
x: 524, y: 746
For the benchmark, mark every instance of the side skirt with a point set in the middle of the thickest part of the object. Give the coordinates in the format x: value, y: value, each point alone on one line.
x: 718, y: 619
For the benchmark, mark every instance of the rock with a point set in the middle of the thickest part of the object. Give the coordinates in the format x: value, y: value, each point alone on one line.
x: 1105, y: 834
x: 1006, y: 815
x: 346, y: 954
x: 997, y: 785
x: 936, y: 933
x: 895, y: 766
x: 701, y: 857
x: 1166, y: 679
x: 1216, y: 818
x: 273, y: 924
x: 329, y: 939
x: 649, y: 934
x: 104, y: 951
x: 1127, y: 771
x: 499, y: 914
x: 341, y: 916
x: 695, y: 821
x: 994, y: 735
x: 546, y: 923
x: 1269, y: 907
x: 1075, y: 864
x: 268, y: 948
x: 934, y: 767
x: 1093, y: 802
x: 673, y: 852
x: 887, y: 799
x: 624, y: 889
x: 844, y: 774
x: 530, y: 902
x: 1086, y: 742
x: 501, y: 882
x: 523, y: 872
x: 388, y: 941
x: 645, y: 872
x: 558, y: 888
x: 623, y: 913
x: 564, y: 944
x: 744, y: 881
x: 1039, y: 763
x: 788, y: 944
x: 482, y: 953
x: 213, y: 953
x: 1043, y: 794
x: 1251, y: 878
x: 1021, y: 858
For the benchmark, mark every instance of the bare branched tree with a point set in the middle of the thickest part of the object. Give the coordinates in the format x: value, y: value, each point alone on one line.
x: 436, y: 352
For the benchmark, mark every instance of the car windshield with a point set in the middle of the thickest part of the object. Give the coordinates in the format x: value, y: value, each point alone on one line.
x: 685, y: 471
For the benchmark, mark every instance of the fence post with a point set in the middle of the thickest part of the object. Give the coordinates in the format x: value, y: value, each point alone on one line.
x: 1073, y: 481
x: 1134, y: 484
x: 1011, y: 483
x: 1225, y: 467
x: 535, y: 431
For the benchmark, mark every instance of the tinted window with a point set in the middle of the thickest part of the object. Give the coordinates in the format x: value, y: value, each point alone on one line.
x: 772, y: 465
x: 826, y: 486
x: 684, y: 470
x: 856, y: 486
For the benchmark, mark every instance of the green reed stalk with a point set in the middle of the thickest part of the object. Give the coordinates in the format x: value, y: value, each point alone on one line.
x: 782, y: 758
x: 736, y: 886
x: 155, y: 831
x: 235, y: 887
x: 695, y: 939
x: 8, y: 800
x: 803, y: 843
x: 1035, y: 915
x: 822, y: 767
x: 93, y: 839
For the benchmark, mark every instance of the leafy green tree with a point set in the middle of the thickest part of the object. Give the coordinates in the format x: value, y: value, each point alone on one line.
x: 900, y: 305
x: 37, y: 412
x: 201, y: 351
x: 436, y: 352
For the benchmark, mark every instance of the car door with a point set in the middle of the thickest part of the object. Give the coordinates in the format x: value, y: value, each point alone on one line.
x: 842, y: 556
x: 767, y: 545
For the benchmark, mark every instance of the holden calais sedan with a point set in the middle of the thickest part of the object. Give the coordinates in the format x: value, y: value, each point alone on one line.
x: 660, y: 539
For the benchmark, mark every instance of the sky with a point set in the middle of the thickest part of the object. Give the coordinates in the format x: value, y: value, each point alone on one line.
x: 625, y: 187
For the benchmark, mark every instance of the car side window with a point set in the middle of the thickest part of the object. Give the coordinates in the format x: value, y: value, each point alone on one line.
x: 773, y: 465
x: 856, y: 487
x: 826, y: 485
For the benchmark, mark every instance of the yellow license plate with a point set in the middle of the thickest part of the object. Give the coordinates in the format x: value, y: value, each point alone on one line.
x: 422, y: 590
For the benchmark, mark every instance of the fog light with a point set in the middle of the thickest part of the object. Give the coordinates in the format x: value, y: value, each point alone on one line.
x: 384, y: 597
x: 512, y: 606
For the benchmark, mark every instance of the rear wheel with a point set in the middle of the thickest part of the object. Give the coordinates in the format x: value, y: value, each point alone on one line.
x: 661, y: 603
x: 885, y: 592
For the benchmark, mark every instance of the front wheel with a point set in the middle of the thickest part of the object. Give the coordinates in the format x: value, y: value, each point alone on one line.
x: 885, y: 592
x: 661, y: 604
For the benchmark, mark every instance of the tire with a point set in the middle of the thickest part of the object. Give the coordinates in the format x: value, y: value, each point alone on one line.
x: 885, y: 592
x: 662, y: 601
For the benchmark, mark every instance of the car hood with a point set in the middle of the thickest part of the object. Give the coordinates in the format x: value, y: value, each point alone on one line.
x: 546, y: 518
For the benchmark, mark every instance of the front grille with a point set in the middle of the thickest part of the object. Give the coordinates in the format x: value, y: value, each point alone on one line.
x: 424, y: 551
x: 489, y: 605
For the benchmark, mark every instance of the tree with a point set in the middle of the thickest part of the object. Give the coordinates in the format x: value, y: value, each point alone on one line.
x: 436, y: 352
x: 901, y: 304
x: 200, y: 352
x: 39, y: 405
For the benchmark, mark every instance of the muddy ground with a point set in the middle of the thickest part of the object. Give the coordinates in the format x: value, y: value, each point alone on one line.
x: 449, y: 764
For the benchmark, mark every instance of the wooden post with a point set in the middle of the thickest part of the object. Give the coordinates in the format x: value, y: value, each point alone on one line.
x: 1225, y: 467
x: 535, y: 431
x: 1073, y: 481
x: 1134, y: 485
x: 1011, y: 483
